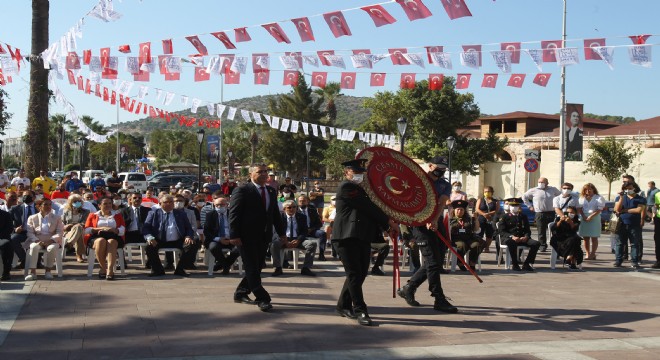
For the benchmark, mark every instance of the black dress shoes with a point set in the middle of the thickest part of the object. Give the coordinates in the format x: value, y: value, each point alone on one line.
x: 264, y: 306
x: 307, y: 272
x: 278, y: 271
x: 516, y: 267
x: 244, y: 299
x: 528, y: 267
x: 169, y: 267
x: 364, y: 319
x: 377, y: 272
x: 181, y: 272
x: 217, y: 266
x: 347, y: 313
x: 156, y: 273
x: 321, y: 257
x: 5, y: 277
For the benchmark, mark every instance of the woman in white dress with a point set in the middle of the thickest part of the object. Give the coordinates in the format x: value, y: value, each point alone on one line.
x: 590, y: 206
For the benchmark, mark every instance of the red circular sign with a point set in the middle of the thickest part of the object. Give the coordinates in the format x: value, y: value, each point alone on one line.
x: 531, y: 165
x: 399, y: 186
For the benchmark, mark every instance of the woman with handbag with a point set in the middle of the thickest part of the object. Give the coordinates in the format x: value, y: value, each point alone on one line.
x: 104, y: 233
x: 74, y: 217
x: 590, y: 205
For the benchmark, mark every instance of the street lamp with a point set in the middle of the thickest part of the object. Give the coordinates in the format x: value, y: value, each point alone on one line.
x: 402, y: 124
x: 308, y: 147
x: 230, y: 162
x: 200, y: 140
x: 81, y: 145
x: 450, y: 144
x: 2, y: 143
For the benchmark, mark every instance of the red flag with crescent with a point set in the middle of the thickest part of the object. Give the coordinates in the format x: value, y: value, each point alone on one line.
x: 167, y: 47
x: 377, y: 79
x: 489, y: 81
x: 304, y: 29
x: 347, y: 80
x: 414, y: 9
x: 456, y: 8
x: 550, y: 49
x: 87, y: 56
x: 463, y: 81
x: 145, y: 53
x: 141, y: 76
x: 232, y: 78
x: 516, y: 80
x: 514, y: 47
x: 72, y: 61
x: 379, y: 15
x: 407, y: 81
x: 290, y: 77
x: 106, y: 95
x: 319, y: 79
x: 224, y: 39
x: 337, y: 23
x: 2, y: 50
x: 126, y: 49
x: 105, y: 57
x: 275, y: 30
x: 432, y: 49
x: 2, y: 79
x: 542, y: 79
x: 397, y: 56
x: 262, y: 77
x: 241, y: 35
x: 436, y: 81
x: 201, y: 74
x: 589, y: 52
x: 72, y: 77
x: 322, y: 58
x: 194, y: 40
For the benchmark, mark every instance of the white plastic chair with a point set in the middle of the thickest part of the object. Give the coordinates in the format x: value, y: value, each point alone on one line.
x: 209, y: 261
x: 452, y: 260
x: 58, y: 262
x: 296, y: 252
x: 91, y: 259
x: 128, y: 248
x: 505, y: 249
x: 176, y: 251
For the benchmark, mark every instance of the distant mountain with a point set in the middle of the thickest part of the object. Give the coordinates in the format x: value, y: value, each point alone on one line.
x: 350, y: 114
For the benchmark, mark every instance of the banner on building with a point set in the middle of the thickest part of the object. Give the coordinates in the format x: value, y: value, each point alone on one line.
x: 574, y: 132
x: 213, y: 146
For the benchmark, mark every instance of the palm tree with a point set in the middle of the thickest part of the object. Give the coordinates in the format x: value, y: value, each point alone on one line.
x: 331, y: 91
x: 55, y: 135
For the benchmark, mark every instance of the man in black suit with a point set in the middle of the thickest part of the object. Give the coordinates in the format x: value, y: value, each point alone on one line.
x: 6, y: 250
x: 357, y: 223
x: 134, y: 217
x: 216, y: 236
x: 253, y: 212
x: 19, y: 215
x: 167, y: 227
x: 314, y: 223
x: 296, y: 237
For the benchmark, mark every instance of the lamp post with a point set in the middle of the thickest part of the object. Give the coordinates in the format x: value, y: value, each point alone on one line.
x: 230, y: 163
x: 81, y: 145
x: 200, y: 140
x: 2, y: 144
x: 402, y: 124
x: 450, y: 144
x: 308, y: 147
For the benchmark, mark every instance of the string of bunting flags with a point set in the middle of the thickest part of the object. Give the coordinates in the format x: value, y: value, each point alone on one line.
x: 139, y: 106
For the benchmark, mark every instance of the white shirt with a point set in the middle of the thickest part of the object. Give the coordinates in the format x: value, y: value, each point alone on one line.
x: 21, y: 180
x: 558, y: 202
x: 45, y: 228
x: 265, y: 190
x: 4, y: 181
x: 171, y: 231
x: 135, y: 219
x: 226, y: 225
x: 588, y: 207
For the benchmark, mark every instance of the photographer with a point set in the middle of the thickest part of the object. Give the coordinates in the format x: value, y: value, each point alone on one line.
x: 630, y: 208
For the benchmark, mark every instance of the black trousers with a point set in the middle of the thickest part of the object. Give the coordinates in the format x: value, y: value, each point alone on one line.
x: 656, y: 237
x: 216, y: 248
x: 513, y: 250
x: 17, y: 241
x: 382, y: 254
x: 433, y: 253
x: 355, y: 256
x: 254, y: 256
x: 7, y: 252
x: 133, y: 237
x: 543, y: 219
x: 187, y: 254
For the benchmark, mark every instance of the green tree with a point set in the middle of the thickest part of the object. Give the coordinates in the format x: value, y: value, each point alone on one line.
x: 56, y: 130
x: 329, y: 93
x: 4, y: 115
x: 611, y: 158
x: 469, y: 153
x: 37, y: 120
x: 336, y: 153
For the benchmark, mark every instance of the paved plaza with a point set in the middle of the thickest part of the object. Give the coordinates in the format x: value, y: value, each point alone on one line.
x: 599, y: 313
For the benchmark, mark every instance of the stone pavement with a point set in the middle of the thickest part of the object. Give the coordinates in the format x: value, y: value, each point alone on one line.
x: 600, y: 313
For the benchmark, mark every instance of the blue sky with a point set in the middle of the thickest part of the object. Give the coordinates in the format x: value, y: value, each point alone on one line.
x: 629, y: 90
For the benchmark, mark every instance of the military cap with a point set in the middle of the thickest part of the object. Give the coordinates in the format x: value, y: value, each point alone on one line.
x: 355, y: 165
x: 459, y: 203
x: 440, y: 161
x: 513, y: 201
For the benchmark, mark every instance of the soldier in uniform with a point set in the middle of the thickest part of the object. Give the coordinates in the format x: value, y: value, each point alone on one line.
x: 358, y: 220
x: 431, y: 247
x: 514, y: 230
x: 464, y: 233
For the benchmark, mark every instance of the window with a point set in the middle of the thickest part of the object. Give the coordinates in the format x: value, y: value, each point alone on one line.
x: 495, y: 126
x: 137, y: 177
x: 511, y: 126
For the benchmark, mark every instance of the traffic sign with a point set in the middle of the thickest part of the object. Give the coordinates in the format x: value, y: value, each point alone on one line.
x: 531, y: 165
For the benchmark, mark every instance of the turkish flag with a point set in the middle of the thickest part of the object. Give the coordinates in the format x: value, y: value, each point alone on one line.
x: 542, y: 79
x: 224, y: 39
x: 227, y: 60
x: 639, y: 39
x: 72, y: 61
x: 122, y: 103
x: 172, y: 76
x: 194, y: 40
x: 167, y: 47
x: 152, y: 112
x: 131, y: 106
x: 261, y: 77
x: 463, y: 81
x: 304, y: 29
x: 549, y: 49
x: 290, y: 77
x: 105, y: 57
x: 379, y: 15
x: 297, y: 55
x: 514, y: 47
x: 87, y: 56
x: 145, y: 53
x: 88, y: 87
x: 337, y: 24
x: 319, y: 79
x: 113, y: 97
x: 347, y: 80
x: 162, y: 61
x: 407, y: 81
x: 456, y: 8
x: 415, y: 9
x: 241, y: 35
x: 141, y: 76
x: 473, y: 48
x: 72, y: 77
x: 256, y: 67
x: 106, y: 96
x: 2, y: 77
x: 589, y: 44
x: 516, y: 80
x: 201, y: 74
x: 2, y: 50
x: 432, y: 49
x: 275, y: 30
x: 81, y: 83
x: 322, y: 55
x: 489, y: 81
x: 139, y: 107
x: 126, y: 49
x: 436, y: 81
x: 232, y: 77
x: 397, y: 56
x: 377, y: 79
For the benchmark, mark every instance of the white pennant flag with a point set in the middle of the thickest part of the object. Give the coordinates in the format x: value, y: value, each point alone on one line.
x: 305, y: 127
x: 263, y: 62
x: 142, y: 92
x: 289, y: 62
x: 294, y: 126
x: 379, y: 139
x: 210, y: 108
x: 374, y: 58
x: 195, y: 104
x: 239, y: 65
x: 607, y: 54
x: 362, y: 136
x: 173, y: 64
x: 502, y: 60
x: 351, y: 135
x: 361, y: 61
x: 184, y: 100
x: 315, y: 130
x: 231, y: 113
x: 149, y: 67
x: 125, y: 87
x: 336, y: 60
x: 168, y: 98
x: 311, y: 60
x: 537, y: 57
x: 221, y: 109
x: 159, y: 94
x: 567, y: 56
x: 94, y: 78
x: 416, y: 59
x: 246, y: 115
x: 469, y: 59
x: 641, y: 55
x: 268, y: 120
x: 214, y: 65
x: 95, y: 64
x: 275, y: 123
x: 285, y: 125
x: 322, y: 131
x: 257, y: 117
x: 132, y: 65
x: 331, y: 130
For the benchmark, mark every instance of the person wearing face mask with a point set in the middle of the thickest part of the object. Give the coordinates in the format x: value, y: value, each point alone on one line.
x: 74, y: 217
x: 630, y: 208
x: 314, y: 223
x: 74, y: 183
x: 180, y: 203
x: 514, y: 230
x: 117, y: 204
x: 561, y: 202
x: 216, y: 236
x: 20, y: 214
x: 487, y: 207
x: 456, y: 192
x: 539, y: 200
x: 590, y: 205
x: 357, y: 222
x: 565, y: 239
x: 464, y: 233
x: 20, y: 179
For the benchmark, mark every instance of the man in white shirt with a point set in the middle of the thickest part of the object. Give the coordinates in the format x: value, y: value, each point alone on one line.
x: 21, y: 179
x: 4, y: 180
x: 216, y: 236
x: 539, y: 200
x: 566, y: 199
x: 296, y: 237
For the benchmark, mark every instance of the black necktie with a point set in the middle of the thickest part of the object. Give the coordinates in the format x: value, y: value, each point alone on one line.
x: 291, y: 226
x: 163, y: 228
